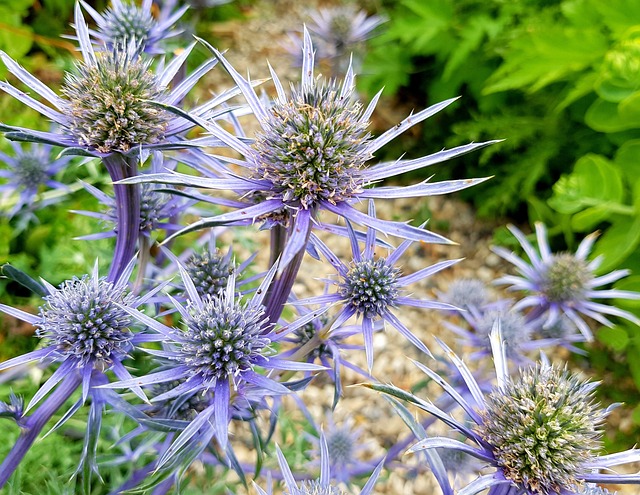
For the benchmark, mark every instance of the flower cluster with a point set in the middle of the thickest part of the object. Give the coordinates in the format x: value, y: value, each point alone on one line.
x: 205, y: 347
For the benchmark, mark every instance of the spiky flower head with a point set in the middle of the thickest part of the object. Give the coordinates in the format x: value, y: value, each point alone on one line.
x: 108, y: 102
x: 565, y: 278
x: 13, y: 409
x: 516, y: 331
x: 370, y: 287
x: 313, y: 146
x: 315, y: 487
x: 210, y: 271
x: 543, y: 426
x: 183, y: 407
x: 222, y: 337
x: 84, y: 320
x: 29, y: 170
x: 467, y: 292
x: 125, y: 22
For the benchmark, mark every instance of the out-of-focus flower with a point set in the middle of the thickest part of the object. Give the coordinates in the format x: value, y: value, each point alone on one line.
x: 321, y: 485
x: 30, y: 170
x: 311, y: 155
x: 563, y: 283
x: 124, y: 22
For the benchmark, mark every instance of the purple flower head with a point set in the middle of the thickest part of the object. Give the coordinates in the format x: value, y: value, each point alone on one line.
x: 321, y: 485
x: 222, y: 342
x: 124, y: 22
x: 564, y: 283
x: 372, y: 287
x: 344, y: 444
x: 13, y: 409
x: 28, y: 172
x: 310, y: 155
x: 466, y: 293
x: 107, y: 105
x: 540, y: 429
x: 210, y: 270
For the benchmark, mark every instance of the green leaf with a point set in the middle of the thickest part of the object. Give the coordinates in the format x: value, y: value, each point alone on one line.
x: 12, y: 273
x: 617, y: 243
x: 606, y: 116
x: 594, y: 182
x: 616, y: 337
x: 589, y: 218
x: 628, y: 161
x: 546, y: 55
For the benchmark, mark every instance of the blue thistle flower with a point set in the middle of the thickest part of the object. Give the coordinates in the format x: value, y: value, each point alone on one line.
x: 158, y: 209
x: 372, y: 287
x: 85, y: 329
x: 321, y: 485
x: 222, y: 342
x: 466, y: 293
x: 564, y: 283
x: 540, y: 429
x: 310, y: 155
x: 28, y: 172
x: 124, y: 22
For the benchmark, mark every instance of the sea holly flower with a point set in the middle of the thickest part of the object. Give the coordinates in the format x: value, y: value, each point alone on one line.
x: 337, y: 32
x: 310, y: 155
x: 222, y: 342
x: 372, y: 287
x: 564, y: 283
x: 30, y: 170
x: 158, y: 209
x: 106, y: 112
x: 124, y: 22
x: 541, y: 429
x: 322, y: 485
x: 86, y: 331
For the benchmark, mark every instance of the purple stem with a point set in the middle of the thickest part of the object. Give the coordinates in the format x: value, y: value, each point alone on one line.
x: 34, y: 424
x: 127, y: 211
x: 281, y: 287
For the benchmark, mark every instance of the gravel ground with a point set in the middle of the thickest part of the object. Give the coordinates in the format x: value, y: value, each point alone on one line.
x: 250, y: 44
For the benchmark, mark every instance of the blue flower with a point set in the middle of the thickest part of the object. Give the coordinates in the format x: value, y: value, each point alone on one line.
x: 372, y: 287
x: 86, y: 330
x: 28, y: 172
x: 125, y: 22
x: 107, y: 108
x: 564, y: 283
x: 321, y: 485
x: 312, y: 154
x: 540, y: 429
x: 223, y: 342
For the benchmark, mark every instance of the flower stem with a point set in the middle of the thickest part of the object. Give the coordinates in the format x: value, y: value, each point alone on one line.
x: 34, y: 424
x: 127, y: 211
